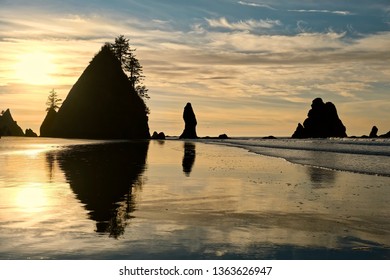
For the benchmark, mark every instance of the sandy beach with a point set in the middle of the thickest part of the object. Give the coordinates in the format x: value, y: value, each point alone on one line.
x: 184, y: 200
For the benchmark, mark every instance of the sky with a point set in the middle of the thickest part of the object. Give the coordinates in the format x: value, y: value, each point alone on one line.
x: 249, y: 68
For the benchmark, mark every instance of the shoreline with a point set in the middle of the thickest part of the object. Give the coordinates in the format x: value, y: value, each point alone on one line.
x: 274, y: 148
x: 250, y: 148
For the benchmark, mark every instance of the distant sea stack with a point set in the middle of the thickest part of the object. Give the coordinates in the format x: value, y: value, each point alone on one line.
x: 387, y: 135
x: 102, y: 104
x: 158, y: 136
x: 322, y: 122
x: 30, y: 133
x: 374, y: 132
x: 9, y: 127
x: 190, y: 123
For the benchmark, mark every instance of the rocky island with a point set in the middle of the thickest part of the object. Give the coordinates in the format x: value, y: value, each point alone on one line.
x: 102, y: 104
x: 9, y: 127
x: 322, y: 122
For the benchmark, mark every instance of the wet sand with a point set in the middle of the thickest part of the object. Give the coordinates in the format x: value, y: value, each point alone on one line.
x: 188, y: 200
x: 264, y: 207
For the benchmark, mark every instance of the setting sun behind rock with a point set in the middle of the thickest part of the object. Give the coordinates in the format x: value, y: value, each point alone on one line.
x: 35, y: 68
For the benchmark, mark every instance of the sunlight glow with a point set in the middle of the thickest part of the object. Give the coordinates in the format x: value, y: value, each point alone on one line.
x: 32, y: 198
x: 35, y: 68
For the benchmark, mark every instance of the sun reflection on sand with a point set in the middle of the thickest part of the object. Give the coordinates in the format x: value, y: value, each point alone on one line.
x: 31, y: 198
x: 34, y: 150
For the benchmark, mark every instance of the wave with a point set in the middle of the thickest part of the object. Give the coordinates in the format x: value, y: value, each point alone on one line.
x: 366, y: 156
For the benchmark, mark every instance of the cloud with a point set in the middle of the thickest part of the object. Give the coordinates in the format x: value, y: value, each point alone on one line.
x: 243, y: 25
x: 251, y: 4
x: 207, y: 61
x: 343, y: 13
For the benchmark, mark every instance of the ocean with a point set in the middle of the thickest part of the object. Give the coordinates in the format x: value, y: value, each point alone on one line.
x: 359, y: 155
x: 201, y: 199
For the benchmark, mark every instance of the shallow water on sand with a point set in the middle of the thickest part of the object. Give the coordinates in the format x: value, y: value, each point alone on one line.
x: 366, y: 156
x: 78, y: 199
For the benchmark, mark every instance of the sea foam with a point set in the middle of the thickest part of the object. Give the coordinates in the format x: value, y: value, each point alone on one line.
x: 366, y: 156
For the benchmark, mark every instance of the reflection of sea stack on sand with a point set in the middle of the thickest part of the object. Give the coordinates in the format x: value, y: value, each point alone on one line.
x: 190, y: 123
x: 188, y: 158
x: 103, y: 177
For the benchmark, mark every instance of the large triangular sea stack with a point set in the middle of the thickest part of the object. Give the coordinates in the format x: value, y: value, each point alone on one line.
x: 101, y: 105
x: 322, y: 122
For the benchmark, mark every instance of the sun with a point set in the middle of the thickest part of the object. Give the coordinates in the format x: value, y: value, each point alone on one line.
x: 35, y: 68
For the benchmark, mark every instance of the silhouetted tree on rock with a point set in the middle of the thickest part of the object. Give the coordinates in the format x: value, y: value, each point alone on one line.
x: 53, y: 102
x: 130, y: 65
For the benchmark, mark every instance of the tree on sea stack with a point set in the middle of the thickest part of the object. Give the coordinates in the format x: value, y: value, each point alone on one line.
x: 53, y: 102
x: 130, y: 65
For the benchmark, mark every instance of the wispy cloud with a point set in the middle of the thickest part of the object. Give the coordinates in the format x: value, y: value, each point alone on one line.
x: 243, y: 25
x: 259, y: 5
x: 247, y: 63
x: 343, y: 13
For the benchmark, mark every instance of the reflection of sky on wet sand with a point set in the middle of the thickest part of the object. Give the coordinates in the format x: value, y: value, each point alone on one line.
x: 231, y: 204
x: 251, y: 200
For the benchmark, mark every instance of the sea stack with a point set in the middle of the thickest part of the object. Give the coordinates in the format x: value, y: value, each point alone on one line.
x: 374, y: 132
x: 190, y: 123
x: 102, y: 104
x: 158, y: 136
x: 30, y: 133
x: 322, y: 122
x: 9, y: 127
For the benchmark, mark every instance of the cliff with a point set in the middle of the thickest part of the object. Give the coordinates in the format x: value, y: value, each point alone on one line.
x: 101, y: 105
x: 9, y: 127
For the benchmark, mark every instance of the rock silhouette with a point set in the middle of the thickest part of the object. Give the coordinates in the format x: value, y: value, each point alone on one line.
x: 190, y: 123
x: 158, y: 136
x: 271, y: 137
x: 387, y: 135
x: 9, y: 127
x: 374, y: 132
x: 102, y: 104
x: 47, y: 124
x: 30, y: 133
x: 221, y: 137
x: 322, y: 122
